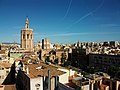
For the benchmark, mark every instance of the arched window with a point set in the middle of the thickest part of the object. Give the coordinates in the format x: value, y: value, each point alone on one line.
x: 23, y: 36
x: 27, y: 36
x: 31, y: 36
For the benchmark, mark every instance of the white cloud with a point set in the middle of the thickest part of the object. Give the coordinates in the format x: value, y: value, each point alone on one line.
x: 74, y: 34
x: 110, y: 25
x: 35, y: 33
x: 18, y: 35
x: 18, y: 27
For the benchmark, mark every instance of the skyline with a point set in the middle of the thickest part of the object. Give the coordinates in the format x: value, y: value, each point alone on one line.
x: 62, y: 21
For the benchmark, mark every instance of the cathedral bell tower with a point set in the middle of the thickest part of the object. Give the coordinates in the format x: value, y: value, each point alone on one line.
x: 27, y: 37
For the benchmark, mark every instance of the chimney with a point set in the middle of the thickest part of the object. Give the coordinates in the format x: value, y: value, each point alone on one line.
x: 27, y: 70
x: 49, y: 80
x: 56, y: 82
x: 23, y: 67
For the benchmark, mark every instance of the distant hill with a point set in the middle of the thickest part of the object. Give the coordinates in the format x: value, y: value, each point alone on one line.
x: 10, y: 43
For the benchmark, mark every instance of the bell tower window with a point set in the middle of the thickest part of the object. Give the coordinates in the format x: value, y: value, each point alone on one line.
x: 23, y: 36
x: 27, y: 36
x: 31, y: 36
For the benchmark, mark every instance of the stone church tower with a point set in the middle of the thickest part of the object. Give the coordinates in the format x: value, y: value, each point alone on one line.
x: 27, y: 37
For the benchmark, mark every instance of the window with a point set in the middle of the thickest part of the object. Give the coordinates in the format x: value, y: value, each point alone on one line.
x: 31, y: 36
x: 37, y: 89
x: 53, y: 57
x: 27, y: 36
x: 23, y: 36
x: 95, y: 57
x: 100, y: 57
x: 37, y: 86
x: 7, y: 72
x: 1, y: 68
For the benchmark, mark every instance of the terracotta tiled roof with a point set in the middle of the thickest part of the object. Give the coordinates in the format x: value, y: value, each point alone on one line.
x: 34, y: 73
x: 102, y: 85
x: 5, y: 64
x: 2, y: 51
x: 9, y: 87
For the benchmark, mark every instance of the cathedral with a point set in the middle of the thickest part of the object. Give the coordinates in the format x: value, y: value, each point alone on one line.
x: 27, y: 37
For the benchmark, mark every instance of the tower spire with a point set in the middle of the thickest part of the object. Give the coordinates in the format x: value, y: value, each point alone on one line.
x: 26, y: 23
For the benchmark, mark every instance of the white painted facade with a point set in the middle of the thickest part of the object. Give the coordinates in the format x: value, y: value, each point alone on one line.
x: 86, y: 87
x: 3, y: 73
x: 35, y: 82
x: 65, y: 77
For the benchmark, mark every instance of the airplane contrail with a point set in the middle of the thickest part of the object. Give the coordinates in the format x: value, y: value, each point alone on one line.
x: 86, y: 15
x: 69, y: 6
x: 78, y: 33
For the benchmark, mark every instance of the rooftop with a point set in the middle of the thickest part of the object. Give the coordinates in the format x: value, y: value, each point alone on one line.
x: 97, y: 75
x: 38, y: 70
x: 102, y: 85
x: 2, y: 52
x: 5, y: 64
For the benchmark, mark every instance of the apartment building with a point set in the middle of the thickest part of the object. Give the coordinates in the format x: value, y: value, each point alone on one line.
x: 39, y: 77
x: 5, y: 68
x: 103, y: 61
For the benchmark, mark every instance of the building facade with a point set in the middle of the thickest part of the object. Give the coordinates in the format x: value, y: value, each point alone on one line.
x: 45, y: 44
x: 40, y: 77
x: 4, y: 70
x: 27, y: 37
x: 103, y: 61
x: 79, y: 57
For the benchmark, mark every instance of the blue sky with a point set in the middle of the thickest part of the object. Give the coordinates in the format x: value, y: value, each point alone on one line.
x: 63, y: 21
